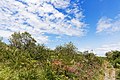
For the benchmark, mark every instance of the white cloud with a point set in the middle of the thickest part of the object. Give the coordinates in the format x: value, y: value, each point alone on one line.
x: 103, y: 24
x: 108, y: 25
x: 101, y: 50
x: 5, y: 34
x: 41, y: 16
x: 108, y: 47
x: 60, y: 3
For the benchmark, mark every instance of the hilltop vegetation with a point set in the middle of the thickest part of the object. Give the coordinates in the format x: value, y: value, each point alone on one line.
x: 114, y: 58
x: 24, y: 59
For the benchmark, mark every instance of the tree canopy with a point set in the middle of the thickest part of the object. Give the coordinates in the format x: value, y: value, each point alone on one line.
x: 22, y: 40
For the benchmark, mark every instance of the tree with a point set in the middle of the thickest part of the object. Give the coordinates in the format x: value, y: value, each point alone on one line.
x: 68, y: 48
x: 67, y: 52
x: 22, y: 40
x: 114, y: 58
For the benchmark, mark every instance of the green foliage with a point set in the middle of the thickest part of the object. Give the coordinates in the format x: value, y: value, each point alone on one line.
x: 22, y: 40
x: 66, y: 49
x: 23, y: 59
x: 118, y: 74
x: 114, y: 58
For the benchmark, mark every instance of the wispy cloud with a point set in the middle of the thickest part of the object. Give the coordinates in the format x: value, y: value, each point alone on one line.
x: 108, y: 25
x: 108, y: 47
x: 61, y: 17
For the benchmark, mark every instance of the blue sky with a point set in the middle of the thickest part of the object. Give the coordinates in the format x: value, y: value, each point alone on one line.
x: 89, y: 24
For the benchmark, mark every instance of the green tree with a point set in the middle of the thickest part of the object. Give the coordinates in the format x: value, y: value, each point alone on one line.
x: 22, y: 40
x: 68, y: 48
x: 114, y: 58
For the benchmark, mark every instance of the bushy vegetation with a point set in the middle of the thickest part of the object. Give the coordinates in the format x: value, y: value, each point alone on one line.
x: 114, y: 58
x: 24, y: 59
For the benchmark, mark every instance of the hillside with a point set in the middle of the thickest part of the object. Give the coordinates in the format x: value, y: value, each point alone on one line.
x: 23, y: 59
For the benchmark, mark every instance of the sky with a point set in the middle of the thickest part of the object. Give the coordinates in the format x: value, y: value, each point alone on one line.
x: 92, y: 25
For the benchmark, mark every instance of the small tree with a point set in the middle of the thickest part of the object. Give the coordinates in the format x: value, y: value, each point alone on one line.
x: 70, y: 48
x: 22, y: 40
x: 67, y: 48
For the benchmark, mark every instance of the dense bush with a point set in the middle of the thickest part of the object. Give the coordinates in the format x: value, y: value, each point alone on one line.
x: 23, y: 59
x: 114, y: 58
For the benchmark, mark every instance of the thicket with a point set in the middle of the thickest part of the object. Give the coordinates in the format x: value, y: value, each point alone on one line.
x: 25, y: 59
x: 114, y: 58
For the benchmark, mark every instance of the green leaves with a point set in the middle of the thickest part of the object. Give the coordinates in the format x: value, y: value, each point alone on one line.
x: 22, y: 40
x: 23, y: 59
x: 66, y: 49
x: 114, y: 58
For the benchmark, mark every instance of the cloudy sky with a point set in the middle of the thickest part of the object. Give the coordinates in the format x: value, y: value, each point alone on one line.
x: 89, y: 24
